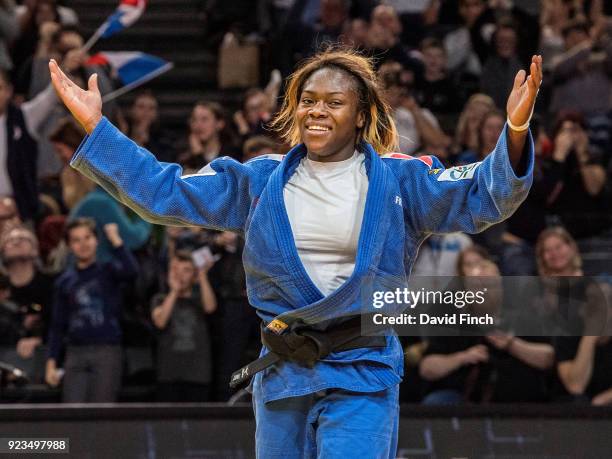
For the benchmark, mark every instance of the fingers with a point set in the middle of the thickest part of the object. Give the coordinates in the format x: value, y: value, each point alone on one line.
x: 92, y: 84
x: 519, y: 79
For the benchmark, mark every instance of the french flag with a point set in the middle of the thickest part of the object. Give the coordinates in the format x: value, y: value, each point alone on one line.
x: 127, y: 13
x: 131, y: 68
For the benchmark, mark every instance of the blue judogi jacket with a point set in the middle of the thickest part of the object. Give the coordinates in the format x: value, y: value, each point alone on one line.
x: 408, y: 199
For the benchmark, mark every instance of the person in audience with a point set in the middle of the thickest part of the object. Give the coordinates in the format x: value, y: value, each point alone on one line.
x: 578, y: 197
x: 496, y: 367
x: 582, y: 76
x: 184, y: 363
x: 144, y: 128
x: 437, y: 90
x: 66, y: 138
x: 184, y: 357
x: 207, y: 137
x: 259, y: 145
x: 9, y: 30
x: 103, y: 209
x: 415, y: 125
x: 500, y: 67
x: 19, y: 127
x: 491, y: 126
x: 86, y: 317
x: 583, y: 363
x: 31, y: 289
x: 467, y: 132
x: 9, y: 217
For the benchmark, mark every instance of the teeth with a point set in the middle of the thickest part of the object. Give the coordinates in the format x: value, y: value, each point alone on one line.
x: 318, y: 128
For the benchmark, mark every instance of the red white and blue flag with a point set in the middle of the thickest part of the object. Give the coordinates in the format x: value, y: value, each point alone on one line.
x: 130, y: 68
x: 127, y: 13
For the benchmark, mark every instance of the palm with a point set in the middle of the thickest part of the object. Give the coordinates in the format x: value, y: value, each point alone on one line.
x: 522, y: 98
x: 85, y: 106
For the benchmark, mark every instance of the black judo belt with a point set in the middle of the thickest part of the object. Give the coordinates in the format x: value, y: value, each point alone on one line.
x: 305, y: 345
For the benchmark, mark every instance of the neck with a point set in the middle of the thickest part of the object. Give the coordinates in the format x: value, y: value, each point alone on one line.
x: 85, y: 263
x: 341, y: 155
x: 211, y: 146
x: 22, y: 275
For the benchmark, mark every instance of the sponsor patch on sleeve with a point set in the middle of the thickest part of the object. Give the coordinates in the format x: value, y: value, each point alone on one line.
x: 458, y: 173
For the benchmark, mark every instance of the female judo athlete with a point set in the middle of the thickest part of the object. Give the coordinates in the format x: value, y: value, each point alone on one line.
x: 338, y: 214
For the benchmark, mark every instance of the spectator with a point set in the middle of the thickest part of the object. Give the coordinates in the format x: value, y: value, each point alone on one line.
x: 144, y: 128
x: 36, y: 14
x: 497, y: 367
x: 501, y: 66
x: 581, y: 77
x: 208, y: 137
x: 468, y: 46
x: 257, y: 146
x: 64, y: 45
x: 86, y: 313
x: 9, y: 218
x: 489, y: 130
x: 584, y: 366
x: 307, y: 37
x: 414, y: 124
x: 66, y: 138
x: 256, y: 112
x: 31, y: 289
x: 437, y: 91
x: 103, y: 209
x: 19, y: 127
x: 184, y: 367
x: 383, y: 39
x: 467, y: 132
x: 9, y: 30
x: 577, y: 197
x: 554, y: 16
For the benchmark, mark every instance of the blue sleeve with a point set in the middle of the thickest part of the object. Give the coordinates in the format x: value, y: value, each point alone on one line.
x: 123, y: 265
x: 59, y: 323
x: 467, y: 198
x: 217, y: 197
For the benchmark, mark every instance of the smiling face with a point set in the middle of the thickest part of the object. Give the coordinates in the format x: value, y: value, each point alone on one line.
x: 204, y: 124
x: 328, y: 115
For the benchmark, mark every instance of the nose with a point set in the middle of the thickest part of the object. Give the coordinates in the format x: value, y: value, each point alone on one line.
x: 318, y: 110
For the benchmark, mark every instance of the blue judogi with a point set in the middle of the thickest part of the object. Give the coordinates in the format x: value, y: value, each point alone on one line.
x: 408, y: 199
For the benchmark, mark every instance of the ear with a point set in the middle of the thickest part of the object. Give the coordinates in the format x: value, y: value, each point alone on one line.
x: 360, y: 120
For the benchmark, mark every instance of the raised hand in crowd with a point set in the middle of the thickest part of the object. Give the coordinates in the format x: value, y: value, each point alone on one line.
x: 111, y: 230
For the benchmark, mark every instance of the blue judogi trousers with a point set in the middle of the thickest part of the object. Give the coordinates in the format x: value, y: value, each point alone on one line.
x: 330, y: 424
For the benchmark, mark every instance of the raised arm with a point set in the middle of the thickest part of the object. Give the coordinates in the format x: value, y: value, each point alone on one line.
x: 470, y: 198
x: 217, y: 197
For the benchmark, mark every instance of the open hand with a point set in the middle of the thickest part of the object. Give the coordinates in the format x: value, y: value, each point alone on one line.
x: 523, y: 96
x: 85, y: 106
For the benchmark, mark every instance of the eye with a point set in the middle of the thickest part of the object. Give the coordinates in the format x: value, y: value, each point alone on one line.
x: 306, y: 101
x: 335, y: 103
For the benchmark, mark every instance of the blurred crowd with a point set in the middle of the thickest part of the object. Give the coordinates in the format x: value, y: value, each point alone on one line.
x: 83, y: 279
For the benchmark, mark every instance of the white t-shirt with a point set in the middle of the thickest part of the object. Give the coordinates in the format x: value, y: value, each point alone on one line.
x: 325, y: 204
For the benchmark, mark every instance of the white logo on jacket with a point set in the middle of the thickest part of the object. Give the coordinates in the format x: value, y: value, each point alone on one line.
x: 458, y: 173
